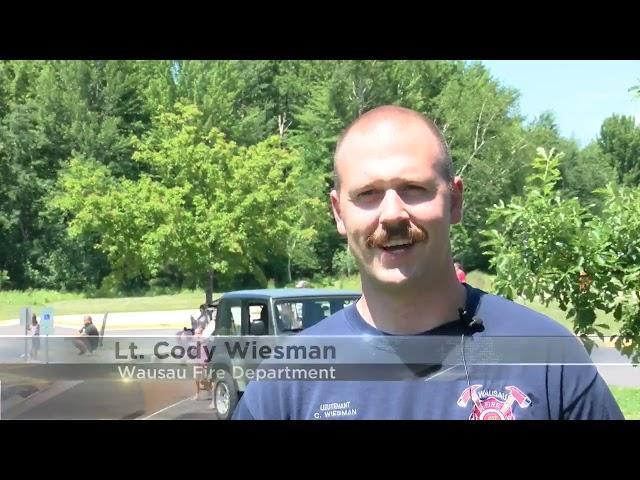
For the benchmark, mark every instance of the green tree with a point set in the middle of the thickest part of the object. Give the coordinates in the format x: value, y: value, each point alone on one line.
x: 69, y: 119
x: 27, y: 158
x: 344, y: 263
x: 615, y: 268
x: 55, y: 110
x: 547, y: 247
x: 619, y: 140
x: 4, y: 278
x: 480, y: 123
x: 586, y: 171
x: 204, y: 204
x: 532, y: 239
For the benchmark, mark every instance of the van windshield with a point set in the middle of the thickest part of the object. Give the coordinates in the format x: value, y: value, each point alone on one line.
x: 294, y: 315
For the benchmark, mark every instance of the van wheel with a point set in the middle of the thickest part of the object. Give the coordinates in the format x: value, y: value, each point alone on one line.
x: 225, y: 397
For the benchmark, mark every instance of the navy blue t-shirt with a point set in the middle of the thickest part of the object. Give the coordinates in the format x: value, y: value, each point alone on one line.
x: 474, y: 385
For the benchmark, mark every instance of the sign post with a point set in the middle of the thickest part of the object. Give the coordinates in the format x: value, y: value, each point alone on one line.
x: 46, y: 328
x: 25, y: 319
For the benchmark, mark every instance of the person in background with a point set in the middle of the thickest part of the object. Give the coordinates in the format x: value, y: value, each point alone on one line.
x: 88, y: 338
x: 34, y: 332
x: 462, y: 277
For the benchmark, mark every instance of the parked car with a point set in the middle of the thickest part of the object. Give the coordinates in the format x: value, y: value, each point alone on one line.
x: 268, y: 312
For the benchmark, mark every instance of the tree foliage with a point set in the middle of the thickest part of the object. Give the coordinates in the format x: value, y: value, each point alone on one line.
x: 124, y: 172
x: 204, y: 203
x: 547, y: 247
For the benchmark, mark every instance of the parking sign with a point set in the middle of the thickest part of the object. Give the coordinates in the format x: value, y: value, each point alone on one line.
x: 46, y: 321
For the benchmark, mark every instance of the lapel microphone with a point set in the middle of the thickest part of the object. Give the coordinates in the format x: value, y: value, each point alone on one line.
x: 474, y: 323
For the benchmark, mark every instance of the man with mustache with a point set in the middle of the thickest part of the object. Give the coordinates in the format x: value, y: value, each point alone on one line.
x: 394, y: 200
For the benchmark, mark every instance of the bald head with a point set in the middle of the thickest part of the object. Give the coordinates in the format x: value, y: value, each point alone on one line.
x: 393, y: 117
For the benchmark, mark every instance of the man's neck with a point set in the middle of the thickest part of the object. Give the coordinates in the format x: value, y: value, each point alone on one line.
x: 412, y: 310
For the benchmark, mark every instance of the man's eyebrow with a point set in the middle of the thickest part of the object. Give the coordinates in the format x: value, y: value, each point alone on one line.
x: 431, y: 180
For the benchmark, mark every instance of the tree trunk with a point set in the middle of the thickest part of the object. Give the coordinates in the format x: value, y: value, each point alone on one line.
x: 209, y: 294
x: 289, y: 254
x: 283, y: 125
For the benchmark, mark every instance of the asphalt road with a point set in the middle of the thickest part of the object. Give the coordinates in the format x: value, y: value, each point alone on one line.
x: 66, y: 392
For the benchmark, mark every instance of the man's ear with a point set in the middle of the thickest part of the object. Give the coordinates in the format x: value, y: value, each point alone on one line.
x: 335, y: 205
x: 457, y: 198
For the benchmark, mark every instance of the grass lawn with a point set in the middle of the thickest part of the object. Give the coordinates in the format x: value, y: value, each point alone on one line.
x: 629, y: 401
x: 73, y: 303
x: 349, y: 283
x: 485, y: 282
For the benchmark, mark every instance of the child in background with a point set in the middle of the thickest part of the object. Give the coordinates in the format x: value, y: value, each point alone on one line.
x: 34, y: 333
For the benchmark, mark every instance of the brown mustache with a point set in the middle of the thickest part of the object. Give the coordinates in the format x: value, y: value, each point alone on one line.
x: 400, y: 232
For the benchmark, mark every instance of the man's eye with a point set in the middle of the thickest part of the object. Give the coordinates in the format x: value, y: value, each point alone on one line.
x: 415, y: 190
x: 366, y: 193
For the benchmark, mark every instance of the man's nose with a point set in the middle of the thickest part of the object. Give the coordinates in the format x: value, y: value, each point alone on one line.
x: 392, y: 209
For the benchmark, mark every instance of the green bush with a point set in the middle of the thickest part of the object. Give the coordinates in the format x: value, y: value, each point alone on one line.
x: 344, y: 263
x: 545, y: 247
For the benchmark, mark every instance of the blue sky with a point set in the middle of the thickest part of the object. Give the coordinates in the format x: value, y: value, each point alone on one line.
x: 581, y: 93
